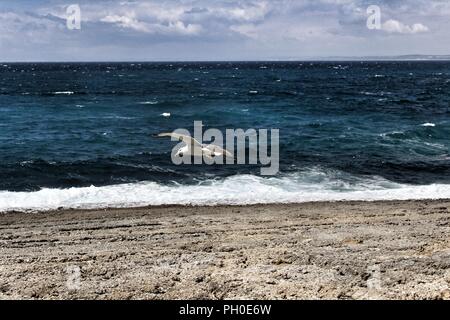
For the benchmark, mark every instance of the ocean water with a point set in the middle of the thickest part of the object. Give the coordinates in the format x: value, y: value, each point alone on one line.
x: 81, y: 134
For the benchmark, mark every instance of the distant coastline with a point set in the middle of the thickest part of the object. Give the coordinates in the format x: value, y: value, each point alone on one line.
x: 408, y: 57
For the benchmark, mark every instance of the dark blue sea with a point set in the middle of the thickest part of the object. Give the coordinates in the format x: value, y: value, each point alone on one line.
x: 82, y: 134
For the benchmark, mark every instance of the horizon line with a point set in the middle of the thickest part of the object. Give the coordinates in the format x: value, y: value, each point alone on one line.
x: 331, y: 59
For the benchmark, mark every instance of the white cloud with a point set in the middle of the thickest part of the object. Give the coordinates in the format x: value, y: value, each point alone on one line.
x: 227, y: 28
x: 247, y: 30
x: 36, y: 29
x: 394, y: 26
x: 247, y: 13
x: 186, y: 18
x: 172, y: 27
x: 126, y: 22
x: 182, y: 28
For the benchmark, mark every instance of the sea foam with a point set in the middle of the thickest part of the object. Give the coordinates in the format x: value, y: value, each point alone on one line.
x: 235, y: 190
x: 64, y: 92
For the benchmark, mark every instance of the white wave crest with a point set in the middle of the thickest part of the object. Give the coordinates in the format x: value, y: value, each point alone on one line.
x: 64, y: 92
x: 236, y: 190
x: 148, y: 102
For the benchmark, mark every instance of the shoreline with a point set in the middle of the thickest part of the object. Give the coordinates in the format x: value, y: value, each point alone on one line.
x: 393, y: 249
x: 217, y: 206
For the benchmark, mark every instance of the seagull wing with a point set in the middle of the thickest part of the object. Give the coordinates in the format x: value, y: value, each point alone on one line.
x: 218, y: 151
x: 188, y: 140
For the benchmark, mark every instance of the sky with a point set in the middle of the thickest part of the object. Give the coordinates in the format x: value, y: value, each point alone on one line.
x: 182, y: 30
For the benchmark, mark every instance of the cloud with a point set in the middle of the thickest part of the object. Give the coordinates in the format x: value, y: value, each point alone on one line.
x: 220, y: 29
x: 172, y: 27
x: 394, y: 26
x: 183, y: 17
x: 126, y: 22
x: 28, y: 26
x: 249, y: 12
x: 247, y: 30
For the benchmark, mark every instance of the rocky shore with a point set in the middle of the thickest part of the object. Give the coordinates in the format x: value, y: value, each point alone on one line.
x: 335, y: 250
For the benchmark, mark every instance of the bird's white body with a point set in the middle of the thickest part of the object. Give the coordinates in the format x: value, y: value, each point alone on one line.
x: 194, y: 148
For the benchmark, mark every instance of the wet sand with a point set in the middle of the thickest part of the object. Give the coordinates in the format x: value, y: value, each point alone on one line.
x: 338, y: 250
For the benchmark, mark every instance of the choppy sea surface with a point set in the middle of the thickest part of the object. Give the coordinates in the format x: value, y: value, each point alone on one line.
x: 81, y: 134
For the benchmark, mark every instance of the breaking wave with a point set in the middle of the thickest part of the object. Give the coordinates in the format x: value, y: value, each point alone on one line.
x: 313, y: 185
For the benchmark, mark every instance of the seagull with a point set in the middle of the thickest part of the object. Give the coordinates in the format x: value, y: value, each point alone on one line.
x: 193, y: 147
